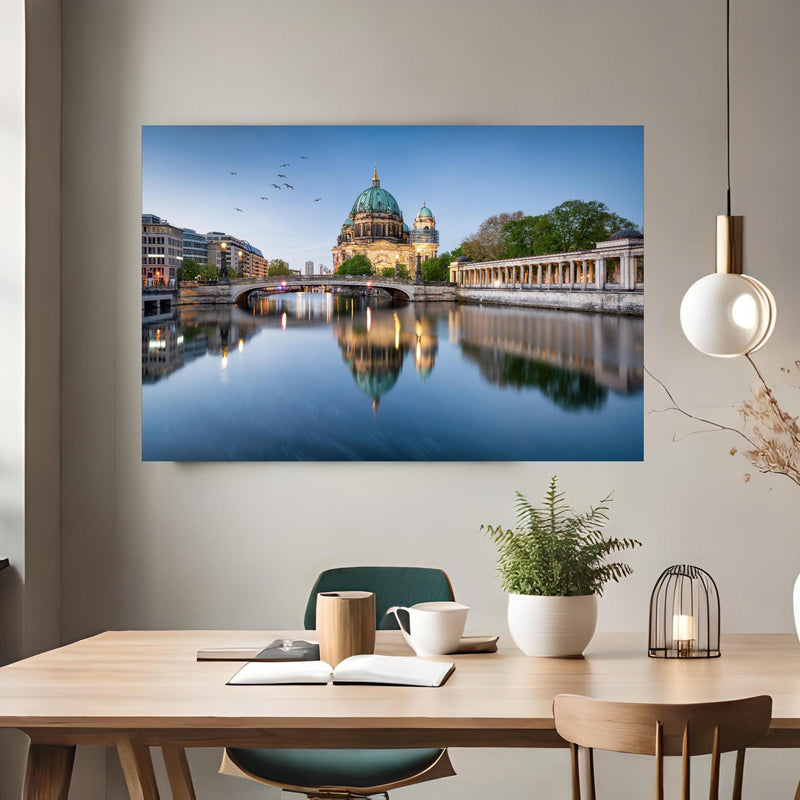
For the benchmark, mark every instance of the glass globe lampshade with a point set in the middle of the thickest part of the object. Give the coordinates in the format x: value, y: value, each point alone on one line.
x: 728, y: 314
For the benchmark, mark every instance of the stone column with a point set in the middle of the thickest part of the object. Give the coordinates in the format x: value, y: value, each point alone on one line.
x: 625, y: 271
x: 583, y: 274
x: 600, y: 272
x: 571, y: 274
x: 539, y: 275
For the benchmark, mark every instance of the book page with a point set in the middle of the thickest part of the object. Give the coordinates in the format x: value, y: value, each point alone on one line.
x: 259, y: 673
x: 398, y: 670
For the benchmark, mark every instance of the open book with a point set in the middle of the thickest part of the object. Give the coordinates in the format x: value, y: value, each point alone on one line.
x: 387, y: 670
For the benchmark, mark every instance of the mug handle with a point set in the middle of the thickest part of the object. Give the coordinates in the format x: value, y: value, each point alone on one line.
x: 395, y: 610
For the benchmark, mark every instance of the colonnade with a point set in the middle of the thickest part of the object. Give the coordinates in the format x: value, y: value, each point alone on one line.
x: 585, y: 270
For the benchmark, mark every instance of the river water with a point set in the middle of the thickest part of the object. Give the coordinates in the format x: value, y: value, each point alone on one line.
x: 312, y: 376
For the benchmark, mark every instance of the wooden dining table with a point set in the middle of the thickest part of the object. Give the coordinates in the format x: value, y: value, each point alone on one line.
x: 133, y: 690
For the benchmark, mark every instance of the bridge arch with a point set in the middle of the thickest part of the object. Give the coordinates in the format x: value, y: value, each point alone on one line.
x: 241, y: 291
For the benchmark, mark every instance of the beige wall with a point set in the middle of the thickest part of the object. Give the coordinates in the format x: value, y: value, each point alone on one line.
x: 30, y: 97
x: 195, y: 545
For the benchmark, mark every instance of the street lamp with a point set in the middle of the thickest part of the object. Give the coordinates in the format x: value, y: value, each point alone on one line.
x: 396, y: 267
x: 418, y: 276
x: 223, y: 270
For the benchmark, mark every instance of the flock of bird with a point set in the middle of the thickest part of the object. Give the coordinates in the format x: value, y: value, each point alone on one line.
x: 279, y: 187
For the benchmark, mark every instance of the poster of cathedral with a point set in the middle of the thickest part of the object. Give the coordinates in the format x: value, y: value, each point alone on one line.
x: 392, y: 293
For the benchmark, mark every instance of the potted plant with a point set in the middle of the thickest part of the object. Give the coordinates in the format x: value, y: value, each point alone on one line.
x: 553, y: 565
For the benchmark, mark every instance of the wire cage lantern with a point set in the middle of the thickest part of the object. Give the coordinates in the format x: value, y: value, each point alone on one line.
x: 684, y: 614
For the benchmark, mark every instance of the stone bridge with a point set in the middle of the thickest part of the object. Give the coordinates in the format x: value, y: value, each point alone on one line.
x: 238, y: 290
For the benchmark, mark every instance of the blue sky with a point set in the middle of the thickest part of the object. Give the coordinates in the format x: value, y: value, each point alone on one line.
x: 463, y: 173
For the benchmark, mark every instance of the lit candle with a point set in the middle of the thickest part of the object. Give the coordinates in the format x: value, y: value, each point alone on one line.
x: 683, y: 634
x: 683, y: 627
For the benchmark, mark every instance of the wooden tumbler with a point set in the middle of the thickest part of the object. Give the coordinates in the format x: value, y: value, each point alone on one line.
x: 345, y: 625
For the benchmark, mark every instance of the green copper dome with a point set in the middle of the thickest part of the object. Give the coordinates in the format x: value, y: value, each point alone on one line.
x: 405, y: 228
x: 348, y: 223
x: 375, y: 200
x: 425, y: 211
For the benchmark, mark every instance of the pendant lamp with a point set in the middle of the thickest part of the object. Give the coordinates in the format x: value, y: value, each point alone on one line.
x: 728, y: 313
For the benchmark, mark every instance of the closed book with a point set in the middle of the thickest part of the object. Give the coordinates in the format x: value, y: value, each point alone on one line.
x: 277, y: 650
x: 383, y: 670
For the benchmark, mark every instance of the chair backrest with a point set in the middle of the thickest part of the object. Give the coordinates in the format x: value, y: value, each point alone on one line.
x: 392, y: 586
x: 662, y: 730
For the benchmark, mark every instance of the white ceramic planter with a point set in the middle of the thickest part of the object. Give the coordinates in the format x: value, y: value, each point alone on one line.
x: 552, y: 626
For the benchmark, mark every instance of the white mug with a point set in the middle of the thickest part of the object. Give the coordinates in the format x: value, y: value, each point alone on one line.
x: 432, y: 629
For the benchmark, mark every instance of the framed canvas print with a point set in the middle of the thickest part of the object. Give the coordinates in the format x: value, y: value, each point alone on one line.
x: 392, y: 293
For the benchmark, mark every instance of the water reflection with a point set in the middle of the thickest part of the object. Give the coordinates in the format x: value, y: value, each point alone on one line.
x: 171, y: 344
x: 567, y: 389
x: 374, y: 345
x: 436, y: 371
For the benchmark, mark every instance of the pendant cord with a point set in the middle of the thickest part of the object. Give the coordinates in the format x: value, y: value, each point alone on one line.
x: 728, y: 98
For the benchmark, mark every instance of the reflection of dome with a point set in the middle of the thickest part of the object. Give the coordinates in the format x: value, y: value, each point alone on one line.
x: 376, y: 384
x: 375, y: 200
x: 425, y: 212
x: 627, y: 233
x: 348, y: 223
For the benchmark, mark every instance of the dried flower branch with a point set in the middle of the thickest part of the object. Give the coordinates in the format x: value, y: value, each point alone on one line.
x: 772, y: 434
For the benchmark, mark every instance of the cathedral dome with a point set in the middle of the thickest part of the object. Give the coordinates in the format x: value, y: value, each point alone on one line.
x: 626, y: 233
x: 425, y: 211
x: 348, y: 223
x: 375, y: 200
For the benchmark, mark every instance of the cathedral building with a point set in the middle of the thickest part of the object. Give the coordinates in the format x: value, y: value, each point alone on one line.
x: 375, y: 228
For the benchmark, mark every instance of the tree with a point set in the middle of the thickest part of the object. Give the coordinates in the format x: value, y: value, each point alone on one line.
x: 278, y: 267
x: 437, y: 268
x: 489, y: 243
x: 580, y: 224
x: 358, y: 264
x: 402, y: 271
x: 190, y: 270
x: 530, y: 236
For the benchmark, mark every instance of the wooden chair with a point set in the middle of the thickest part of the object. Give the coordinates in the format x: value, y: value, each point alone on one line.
x: 660, y: 730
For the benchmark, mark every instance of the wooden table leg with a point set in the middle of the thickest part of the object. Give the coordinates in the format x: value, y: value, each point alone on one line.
x: 137, y: 766
x: 180, y: 778
x: 48, y: 772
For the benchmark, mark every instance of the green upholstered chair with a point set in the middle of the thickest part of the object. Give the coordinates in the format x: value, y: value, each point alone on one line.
x: 334, y: 773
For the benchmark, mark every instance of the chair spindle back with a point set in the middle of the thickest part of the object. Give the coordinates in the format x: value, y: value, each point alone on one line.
x: 660, y: 730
